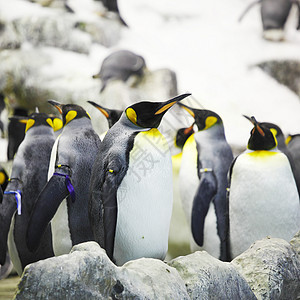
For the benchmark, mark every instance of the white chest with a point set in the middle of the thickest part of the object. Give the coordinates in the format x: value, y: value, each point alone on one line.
x: 263, y: 200
x: 145, y: 199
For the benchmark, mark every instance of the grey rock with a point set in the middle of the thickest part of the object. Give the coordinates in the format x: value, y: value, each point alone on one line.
x: 286, y: 72
x: 206, y: 277
x: 271, y: 268
x: 87, y: 273
x: 295, y: 242
x: 54, y: 30
x: 9, y: 37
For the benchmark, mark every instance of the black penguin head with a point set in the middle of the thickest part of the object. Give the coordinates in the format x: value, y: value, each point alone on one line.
x: 182, y: 135
x: 204, y: 119
x: 149, y: 114
x: 69, y: 112
x: 262, y: 137
x: 112, y: 115
x: 34, y: 119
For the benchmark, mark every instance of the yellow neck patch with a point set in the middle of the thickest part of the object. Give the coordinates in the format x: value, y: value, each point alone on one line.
x: 131, y: 115
x: 288, y: 139
x: 274, y: 132
x: 262, y: 153
x: 2, y: 178
x: 49, y: 121
x: 210, y: 121
x: 70, y: 116
x: 29, y: 124
x: 57, y: 124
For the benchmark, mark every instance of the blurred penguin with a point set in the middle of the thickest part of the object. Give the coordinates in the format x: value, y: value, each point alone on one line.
x: 120, y: 65
x: 28, y: 176
x: 112, y: 115
x: 206, y: 158
x: 16, y: 132
x: 274, y: 14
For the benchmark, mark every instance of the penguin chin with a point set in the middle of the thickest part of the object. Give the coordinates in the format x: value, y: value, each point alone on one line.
x: 274, y: 35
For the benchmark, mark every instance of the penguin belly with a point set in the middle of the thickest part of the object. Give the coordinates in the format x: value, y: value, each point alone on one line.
x: 263, y: 200
x: 12, y: 248
x: 61, y: 236
x: 189, y: 182
x: 145, y: 200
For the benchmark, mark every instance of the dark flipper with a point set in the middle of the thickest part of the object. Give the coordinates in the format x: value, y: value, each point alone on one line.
x: 54, y: 192
x: 206, y: 192
x: 7, y: 209
x: 248, y: 8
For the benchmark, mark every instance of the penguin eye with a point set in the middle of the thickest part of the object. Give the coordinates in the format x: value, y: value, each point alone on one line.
x: 70, y: 116
x: 29, y: 124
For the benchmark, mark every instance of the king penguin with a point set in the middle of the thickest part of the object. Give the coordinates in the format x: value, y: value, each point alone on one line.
x: 263, y: 197
x: 28, y: 176
x: 206, y: 158
x: 282, y: 146
x: 120, y: 65
x: 293, y: 147
x: 64, y: 199
x: 131, y: 191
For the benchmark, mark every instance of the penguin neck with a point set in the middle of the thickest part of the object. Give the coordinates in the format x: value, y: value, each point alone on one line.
x: 126, y: 122
x: 214, y: 132
x: 39, y: 130
x: 77, y: 124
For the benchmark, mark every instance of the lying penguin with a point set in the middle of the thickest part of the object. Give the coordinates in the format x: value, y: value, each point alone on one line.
x: 28, y: 176
x: 64, y: 199
x: 206, y: 158
x: 263, y: 197
x: 131, y: 190
x: 120, y: 65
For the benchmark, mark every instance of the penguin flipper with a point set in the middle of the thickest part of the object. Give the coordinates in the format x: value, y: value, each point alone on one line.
x: 205, y: 193
x: 46, y: 205
x: 8, y: 208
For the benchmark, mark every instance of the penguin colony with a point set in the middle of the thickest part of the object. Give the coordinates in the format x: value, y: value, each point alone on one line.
x: 69, y: 185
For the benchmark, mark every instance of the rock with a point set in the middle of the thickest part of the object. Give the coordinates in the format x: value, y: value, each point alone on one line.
x: 9, y: 37
x: 286, y: 72
x: 271, y: 268
x: 43, y: 26
x: 87, y: 273
x: 295, y: 242
x: 206, y: 277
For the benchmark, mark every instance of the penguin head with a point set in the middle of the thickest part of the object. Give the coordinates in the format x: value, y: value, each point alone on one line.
x: 112, y: 115
x: 204, y: 119
x: 182, y: 135
x: 69, y: 112
x: 262, y: 137
x: 291, y: 137
x: 34, y: 119
x: 148, y: 114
